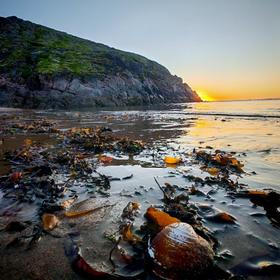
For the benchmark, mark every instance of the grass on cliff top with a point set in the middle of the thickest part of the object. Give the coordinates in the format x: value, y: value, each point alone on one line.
x: 45, y: 51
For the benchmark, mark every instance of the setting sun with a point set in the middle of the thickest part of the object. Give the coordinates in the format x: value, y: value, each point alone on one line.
x: 204, y: 95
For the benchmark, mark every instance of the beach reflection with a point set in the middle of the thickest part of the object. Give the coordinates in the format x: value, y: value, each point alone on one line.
x: 256, y: 142
x: 241, y: 135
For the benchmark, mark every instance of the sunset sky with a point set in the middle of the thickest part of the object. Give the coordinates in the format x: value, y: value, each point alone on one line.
x: 223, y: 49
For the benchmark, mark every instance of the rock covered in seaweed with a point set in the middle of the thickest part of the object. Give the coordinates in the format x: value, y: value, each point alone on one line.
x: 177, y: 252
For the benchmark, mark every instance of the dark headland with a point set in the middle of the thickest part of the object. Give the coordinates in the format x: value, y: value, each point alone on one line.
x: 44, y: 68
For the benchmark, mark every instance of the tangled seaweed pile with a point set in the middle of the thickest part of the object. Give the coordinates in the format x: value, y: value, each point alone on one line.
x: 35, y: 169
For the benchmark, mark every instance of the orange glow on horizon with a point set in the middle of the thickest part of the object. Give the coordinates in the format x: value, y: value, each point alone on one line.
x: 229, y: 95
x: 234, y: 86
x: 204, y: 95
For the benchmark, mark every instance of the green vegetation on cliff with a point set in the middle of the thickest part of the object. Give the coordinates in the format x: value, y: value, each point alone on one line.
x: 27, y: 49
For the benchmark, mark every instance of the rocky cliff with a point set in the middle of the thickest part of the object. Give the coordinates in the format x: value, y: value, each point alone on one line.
x: 44, y: 68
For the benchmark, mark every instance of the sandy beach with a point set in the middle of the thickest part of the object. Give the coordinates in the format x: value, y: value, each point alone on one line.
x: 247, y: 246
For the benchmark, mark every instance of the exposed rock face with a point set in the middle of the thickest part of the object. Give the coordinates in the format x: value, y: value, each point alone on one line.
x: 44, y: 68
